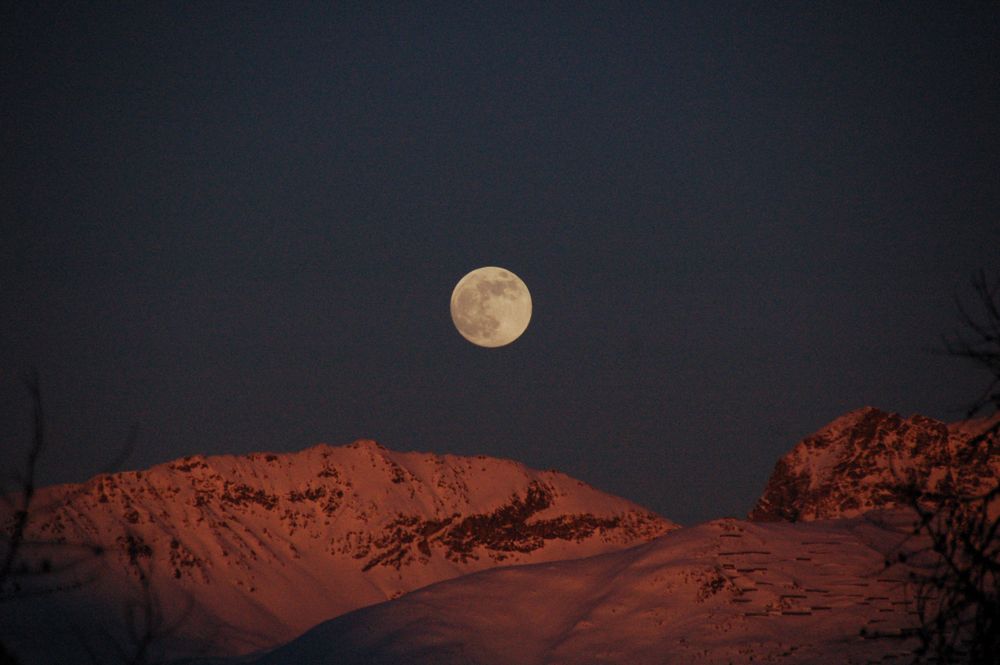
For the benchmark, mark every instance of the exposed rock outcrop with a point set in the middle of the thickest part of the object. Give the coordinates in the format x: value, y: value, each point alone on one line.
x: 870, y: 459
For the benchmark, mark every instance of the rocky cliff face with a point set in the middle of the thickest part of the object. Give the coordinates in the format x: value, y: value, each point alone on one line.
x: 258, y: 548
x: 868, y: 459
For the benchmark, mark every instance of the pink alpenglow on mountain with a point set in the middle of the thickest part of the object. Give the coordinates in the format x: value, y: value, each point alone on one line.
x: 868, y: 458
x: 247, y: 552
x: 720, y: 593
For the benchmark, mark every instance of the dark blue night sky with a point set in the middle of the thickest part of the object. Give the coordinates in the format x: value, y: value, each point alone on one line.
x: 236, y: 226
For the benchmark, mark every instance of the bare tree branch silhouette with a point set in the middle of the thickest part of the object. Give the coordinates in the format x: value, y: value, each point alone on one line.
x: 958, y: 595
x: 30, y: 567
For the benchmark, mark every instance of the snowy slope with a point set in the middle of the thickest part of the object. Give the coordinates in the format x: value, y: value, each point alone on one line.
x: 867, y: 458
x: 246, y: 552
x: 722, y: 592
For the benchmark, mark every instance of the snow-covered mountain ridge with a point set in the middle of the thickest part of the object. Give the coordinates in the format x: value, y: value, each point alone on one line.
x: 263, y: 546
x: 718, y: 593
x: 868, y: 459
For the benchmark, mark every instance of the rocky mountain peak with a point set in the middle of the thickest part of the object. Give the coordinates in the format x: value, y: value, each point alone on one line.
x: 345, y: 526
x: 869, y: 459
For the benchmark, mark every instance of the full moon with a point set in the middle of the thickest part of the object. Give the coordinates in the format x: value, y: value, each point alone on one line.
x: 490, y: 306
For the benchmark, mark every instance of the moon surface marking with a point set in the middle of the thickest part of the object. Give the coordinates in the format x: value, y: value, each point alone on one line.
x: 491, y: 306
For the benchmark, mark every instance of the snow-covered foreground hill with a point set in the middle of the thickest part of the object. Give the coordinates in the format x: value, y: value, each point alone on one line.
x: 246, y: 552
x: 723, y: 592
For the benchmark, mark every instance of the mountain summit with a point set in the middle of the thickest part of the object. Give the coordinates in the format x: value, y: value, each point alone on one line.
x: 245, y: 552
x: 869, y: 459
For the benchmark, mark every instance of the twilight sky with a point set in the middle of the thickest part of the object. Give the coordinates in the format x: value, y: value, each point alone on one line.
x: 237, y: 227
